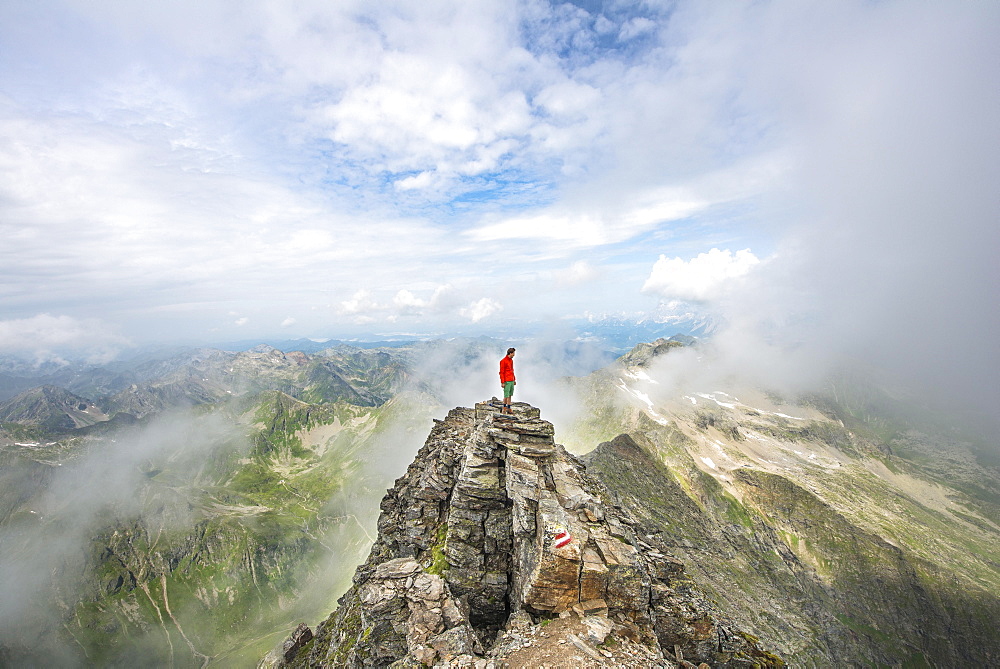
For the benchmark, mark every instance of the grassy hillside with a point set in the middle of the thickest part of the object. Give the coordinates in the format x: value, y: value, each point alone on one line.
x: 218, y: 528
x: 819, y: 524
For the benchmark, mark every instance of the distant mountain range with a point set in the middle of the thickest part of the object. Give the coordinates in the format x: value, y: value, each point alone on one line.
x: 51, y: 408
x: 145, y: 385
x: 621, y: 334
x: 195, y: 506
x: 610, y: 336
x: 215, y: 485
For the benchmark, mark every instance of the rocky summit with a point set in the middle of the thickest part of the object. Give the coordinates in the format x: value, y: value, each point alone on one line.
x: 497, y: 549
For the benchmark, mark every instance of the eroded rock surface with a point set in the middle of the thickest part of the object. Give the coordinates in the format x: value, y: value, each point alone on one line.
x: 494, y: 532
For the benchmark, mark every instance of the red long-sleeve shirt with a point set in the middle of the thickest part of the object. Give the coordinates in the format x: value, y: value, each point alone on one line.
x: 507, y: 369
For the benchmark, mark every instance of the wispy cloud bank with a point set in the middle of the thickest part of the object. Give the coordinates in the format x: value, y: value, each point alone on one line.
x: 46, y: 337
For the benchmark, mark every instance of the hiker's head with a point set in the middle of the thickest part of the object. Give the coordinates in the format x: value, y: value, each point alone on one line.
x: 510, y: 352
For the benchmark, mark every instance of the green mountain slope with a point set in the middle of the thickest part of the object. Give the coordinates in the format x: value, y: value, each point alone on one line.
x: 50, y: 408
x: 198, y: 535
x: 358, y: 377
x: 823, y: 536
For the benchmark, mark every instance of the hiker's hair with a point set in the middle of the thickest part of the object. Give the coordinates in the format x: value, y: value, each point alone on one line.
x: 510, y: 350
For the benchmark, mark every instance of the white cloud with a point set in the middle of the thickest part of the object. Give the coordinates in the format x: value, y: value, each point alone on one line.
x: 361, y: 303
x: 579, y: 230
x: 601, y: 219
x: 240, y: 322
x: 163, y: 201
x: 404, y: 299
x: 701, y: 279
x: 416, y: 182
x: 288, y: 322
x: 481, y: 308
x: 444, y: 302
x: 587, y: 228
x: 442, y: 299
x: 568, y: 99
x: 416, y: 108
x: 45, y: 335
x: 579, y: 272
x: 635, y: 27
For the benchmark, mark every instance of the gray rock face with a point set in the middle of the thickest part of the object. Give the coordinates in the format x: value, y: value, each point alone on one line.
x: 493, y: 525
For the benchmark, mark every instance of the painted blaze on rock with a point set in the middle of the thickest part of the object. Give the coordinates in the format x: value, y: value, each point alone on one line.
x: 559, y: 530
x: 493, y: 520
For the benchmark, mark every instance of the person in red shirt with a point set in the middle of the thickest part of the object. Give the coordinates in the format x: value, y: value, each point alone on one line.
x: 507, y: 381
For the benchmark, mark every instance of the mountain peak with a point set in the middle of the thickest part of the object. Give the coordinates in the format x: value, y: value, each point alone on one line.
x: 51, y: 408
x: 496, y: 535
x: 642, y: 354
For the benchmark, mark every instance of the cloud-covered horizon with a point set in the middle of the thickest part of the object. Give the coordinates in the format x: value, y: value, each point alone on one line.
x: 210, y: 171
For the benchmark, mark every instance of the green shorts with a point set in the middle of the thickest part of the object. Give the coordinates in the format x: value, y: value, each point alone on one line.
x: 508, y: 389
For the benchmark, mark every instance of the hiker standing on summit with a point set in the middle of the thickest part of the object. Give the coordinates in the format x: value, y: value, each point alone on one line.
x: 507, y: 379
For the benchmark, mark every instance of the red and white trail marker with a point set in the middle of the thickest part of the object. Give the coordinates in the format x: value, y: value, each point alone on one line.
x: 562, y: 539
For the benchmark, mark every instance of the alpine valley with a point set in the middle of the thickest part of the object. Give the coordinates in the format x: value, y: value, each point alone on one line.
x: 195, y: 507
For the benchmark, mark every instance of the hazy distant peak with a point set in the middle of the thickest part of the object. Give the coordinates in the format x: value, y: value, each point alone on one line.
x: 642, y: 354
x: 52, y: 408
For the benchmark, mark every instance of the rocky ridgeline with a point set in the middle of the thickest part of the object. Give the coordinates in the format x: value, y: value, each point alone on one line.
x: 496, y: 549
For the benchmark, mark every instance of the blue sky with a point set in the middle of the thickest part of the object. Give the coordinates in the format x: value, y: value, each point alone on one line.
x: 219, y: 170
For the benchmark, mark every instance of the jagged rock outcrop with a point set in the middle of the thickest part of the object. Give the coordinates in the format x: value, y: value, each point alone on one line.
x: 494, y: 532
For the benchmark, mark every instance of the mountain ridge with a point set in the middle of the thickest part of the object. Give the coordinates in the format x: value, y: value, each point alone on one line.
x: 808, y: 525
x: 494, y: 532
x: 51, y: 408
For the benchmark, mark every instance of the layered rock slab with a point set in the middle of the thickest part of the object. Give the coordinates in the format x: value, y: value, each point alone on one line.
x: 494, y: 524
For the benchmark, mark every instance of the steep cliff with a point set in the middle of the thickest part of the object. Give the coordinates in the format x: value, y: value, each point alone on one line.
x: 496, y: 547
